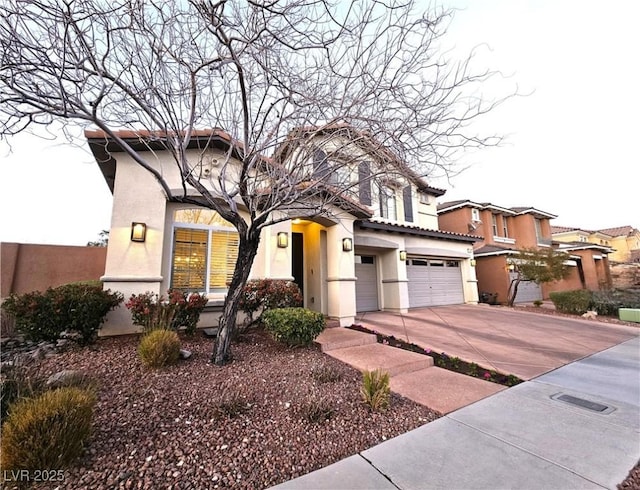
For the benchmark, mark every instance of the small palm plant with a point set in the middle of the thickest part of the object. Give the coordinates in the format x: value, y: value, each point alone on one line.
x: 375, y: 389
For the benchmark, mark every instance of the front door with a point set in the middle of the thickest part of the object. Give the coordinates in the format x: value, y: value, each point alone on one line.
x: 297, y: 260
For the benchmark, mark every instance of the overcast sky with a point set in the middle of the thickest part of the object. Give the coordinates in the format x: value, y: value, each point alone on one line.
x: 571, y: 147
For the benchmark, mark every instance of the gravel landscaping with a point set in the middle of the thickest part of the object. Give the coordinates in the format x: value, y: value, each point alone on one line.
x: 272, y: 415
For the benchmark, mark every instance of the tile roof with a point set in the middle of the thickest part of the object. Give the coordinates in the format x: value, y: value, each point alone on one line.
x: 417, y: 230
x: 493, y: 250
x: 451, y: 205
x: 563, y: 229
x: 619, y: 231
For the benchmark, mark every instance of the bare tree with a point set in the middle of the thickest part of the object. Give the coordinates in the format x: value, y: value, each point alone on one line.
x: 258, y: 70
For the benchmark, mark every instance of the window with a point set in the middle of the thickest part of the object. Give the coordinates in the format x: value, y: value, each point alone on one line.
x: 388, y: 202
x: 320, y: 164
x: 538, y: 224
x: 407, y: 199
x: 364, y: 183
x: 494, y: 224
x: 505, y: 230
x: 475, y: 214
x: 424, y: 198
x: 205, y: 250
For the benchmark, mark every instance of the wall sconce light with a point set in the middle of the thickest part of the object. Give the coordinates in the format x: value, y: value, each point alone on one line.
x: 472, y: 262
x: 347, y: 244
x: 138, y: 232
x: 283, y: 239
x: 403, y: 255
x: 511, y: 267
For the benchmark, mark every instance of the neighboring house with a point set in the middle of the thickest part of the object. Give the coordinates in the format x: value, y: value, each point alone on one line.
x: 377, y: 248
x: 624, y: 240
x: 507, y: 230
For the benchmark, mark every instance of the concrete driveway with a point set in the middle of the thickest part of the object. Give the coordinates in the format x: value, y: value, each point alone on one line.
x: 513, y: 342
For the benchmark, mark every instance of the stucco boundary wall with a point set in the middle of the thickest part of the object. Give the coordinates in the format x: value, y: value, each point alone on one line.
x: 26, y: 267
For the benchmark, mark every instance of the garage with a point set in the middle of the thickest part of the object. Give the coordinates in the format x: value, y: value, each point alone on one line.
x: 434, y: 282
x: 528, y: 291
x: 366, y: 283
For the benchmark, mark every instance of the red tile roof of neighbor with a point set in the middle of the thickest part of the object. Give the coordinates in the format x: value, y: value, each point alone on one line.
x: 517, y: 210
x: 619, y: 231
x: 612, y: 232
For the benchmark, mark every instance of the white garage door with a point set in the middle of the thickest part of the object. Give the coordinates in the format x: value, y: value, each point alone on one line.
x: 528, y: 291
x: 434, y: 282
x: 366, y: 283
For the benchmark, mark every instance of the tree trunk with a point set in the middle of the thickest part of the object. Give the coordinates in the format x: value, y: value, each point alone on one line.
x: 513, y: 291
x: 247, y: 251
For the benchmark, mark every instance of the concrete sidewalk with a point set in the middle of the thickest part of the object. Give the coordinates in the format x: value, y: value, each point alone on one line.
x: 575, y: 427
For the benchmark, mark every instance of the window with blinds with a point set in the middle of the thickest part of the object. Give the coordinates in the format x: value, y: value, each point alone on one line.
x: 203, y: 260
x: 224, y: 253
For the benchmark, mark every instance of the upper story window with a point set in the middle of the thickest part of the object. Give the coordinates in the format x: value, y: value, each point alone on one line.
x: 475, y: 214
x: 494, y: 224
x: 407, y: 202
x: 538, y: 223
x: 320, y: 164
x: 204, y: 251
x: 388, y: 208
x: 364, y: 183
x: 425, y: 198
x: 505, y: 228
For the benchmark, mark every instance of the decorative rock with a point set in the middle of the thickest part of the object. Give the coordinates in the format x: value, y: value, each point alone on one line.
x: 70, y: 335
x: 211, y: 332
x: 67, y: 377
x: 185, y: 354
x: 38, y: 354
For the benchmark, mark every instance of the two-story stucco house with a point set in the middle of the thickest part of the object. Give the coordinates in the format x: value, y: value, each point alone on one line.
x: 624, y: 240
x: 378, y: 247
x: 507, y: 230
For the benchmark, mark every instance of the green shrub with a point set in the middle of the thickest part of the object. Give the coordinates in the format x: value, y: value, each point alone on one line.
x: 572, y: 302
x: 260, y: 295
x: 159, y: 348
x: 537, y: 303
x: 78, y: 307
x: 47, y: 432
x: 607, y: 303
x: 293, y: 326
x: 375, y: 389
x: 180, y: 309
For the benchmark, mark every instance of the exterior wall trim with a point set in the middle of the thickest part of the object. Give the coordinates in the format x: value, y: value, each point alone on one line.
x: 131, y: 279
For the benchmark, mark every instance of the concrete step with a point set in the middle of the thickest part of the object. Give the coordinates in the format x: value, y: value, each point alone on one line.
x: 340, y: 338
x: 377, y: 356
x: 443, y: 390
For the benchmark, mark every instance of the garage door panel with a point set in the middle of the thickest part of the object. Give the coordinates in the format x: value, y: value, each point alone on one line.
x: 434, y: 285
x: 528, y: 291
x: 366, y: 284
